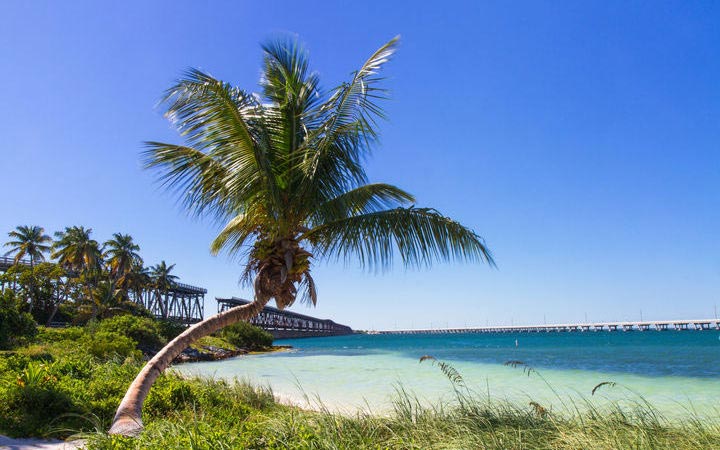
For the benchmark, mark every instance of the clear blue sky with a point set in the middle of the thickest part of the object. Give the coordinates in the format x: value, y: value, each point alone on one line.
x: 579, y: 138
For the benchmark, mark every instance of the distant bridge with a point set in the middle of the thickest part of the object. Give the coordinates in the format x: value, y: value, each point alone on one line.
x: 6, y: 262
x: 651, y: 325
x: 287, y: 324
x: 181, y: 303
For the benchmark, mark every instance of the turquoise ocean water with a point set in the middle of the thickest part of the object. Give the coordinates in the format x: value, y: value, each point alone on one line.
x: 676, y: 371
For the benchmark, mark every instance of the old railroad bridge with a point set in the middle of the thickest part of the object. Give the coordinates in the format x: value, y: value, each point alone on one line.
x: 287, y: 324
x: 648, y: 325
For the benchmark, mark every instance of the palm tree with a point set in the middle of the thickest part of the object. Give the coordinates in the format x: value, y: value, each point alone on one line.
x: 162, y: 281
x: 121, y: 254
x: 76, y: 251
x: 136, y: 280
x: 28, y: 241
x: 161, y: 277
x: 81, y: 257
x: 283, y: 170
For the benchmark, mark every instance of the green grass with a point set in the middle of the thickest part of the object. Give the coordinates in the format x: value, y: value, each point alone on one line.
x: 472, y: 424
x: 54, y: 388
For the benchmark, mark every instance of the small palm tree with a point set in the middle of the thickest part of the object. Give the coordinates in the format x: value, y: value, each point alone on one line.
x: 161, y: 280
x: 135, y: 281
x: 121, y: 254
x: 283, y: 169
x: 30, y: 241
x: 161, y: 277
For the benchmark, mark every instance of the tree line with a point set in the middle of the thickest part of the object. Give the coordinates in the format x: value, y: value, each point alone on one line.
x: 73, y: 277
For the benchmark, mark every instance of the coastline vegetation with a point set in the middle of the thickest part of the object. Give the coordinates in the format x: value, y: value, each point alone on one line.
x: 82, y: 280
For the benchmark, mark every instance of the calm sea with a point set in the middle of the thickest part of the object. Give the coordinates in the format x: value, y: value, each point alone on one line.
x: 674, y: 370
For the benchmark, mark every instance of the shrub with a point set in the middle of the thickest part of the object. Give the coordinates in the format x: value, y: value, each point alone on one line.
x: 106, y: 344
x: 145, y: 331
x: 247, y: 336
x: 170, y: 329
x: 15, y: 326
x: 33, y: 402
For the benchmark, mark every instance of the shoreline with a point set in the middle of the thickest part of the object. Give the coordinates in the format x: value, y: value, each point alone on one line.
x: 212, y: 353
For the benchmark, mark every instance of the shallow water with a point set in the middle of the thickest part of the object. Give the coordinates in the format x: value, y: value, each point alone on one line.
x: 674, y: 371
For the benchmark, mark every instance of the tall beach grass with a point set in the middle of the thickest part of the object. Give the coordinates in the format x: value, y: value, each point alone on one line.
x: 250, y: 418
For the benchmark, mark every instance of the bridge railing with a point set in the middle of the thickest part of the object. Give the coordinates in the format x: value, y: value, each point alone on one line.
x: 7, y: 261
x: 188, y: 287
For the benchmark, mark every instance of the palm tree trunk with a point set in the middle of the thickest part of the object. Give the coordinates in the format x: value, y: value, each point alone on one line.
x: 32, y: 283
x: 127, y: 421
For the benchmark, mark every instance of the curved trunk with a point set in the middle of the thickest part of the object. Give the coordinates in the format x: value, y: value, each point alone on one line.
x: 127, y: 421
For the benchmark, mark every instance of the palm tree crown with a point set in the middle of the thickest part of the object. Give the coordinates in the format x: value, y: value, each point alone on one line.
x: 121, y: 255
x: 75, y: 250
x: 28, y: 241
x: 161, y: 277
x: 283, y: 170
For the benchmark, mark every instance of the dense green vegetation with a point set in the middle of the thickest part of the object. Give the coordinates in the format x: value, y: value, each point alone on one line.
x: 54, y: 386
x: 63, y: 380
x: 83, y: 280
x: 244, y: 335
x: 15, y: 325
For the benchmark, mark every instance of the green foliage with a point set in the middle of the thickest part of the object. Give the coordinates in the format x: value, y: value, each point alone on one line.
x: 284, y: 170
x: 15, y: 326
x: 28, y: 241
x: 170, y: 329
x: 31, y: 410
x: 106, y: 344
x: 145, y: 331
x: 247, y: 336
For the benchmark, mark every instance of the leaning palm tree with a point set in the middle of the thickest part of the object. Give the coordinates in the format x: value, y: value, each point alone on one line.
x: 121, y: 253
x: 283, y: 170
x: 30, y: 241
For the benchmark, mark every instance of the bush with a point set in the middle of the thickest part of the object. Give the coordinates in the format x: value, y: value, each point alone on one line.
x: 106, y: 344
x: 32, y: 402
x: 15, y: 326
x: 145, y: 331
x: 170, y: 329
x: 247, y: 336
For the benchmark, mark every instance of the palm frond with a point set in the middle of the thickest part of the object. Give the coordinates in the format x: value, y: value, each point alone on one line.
x: 308, y: 289
x: 197, y: 178
x: 227, y: 124
x: 292, y: 92
x: 347, y: 127
x: 419, y: 235
x: 235, y: 234
x: 361, y: 200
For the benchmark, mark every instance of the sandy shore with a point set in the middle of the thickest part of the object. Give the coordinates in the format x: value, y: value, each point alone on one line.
x: 38, y: 444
